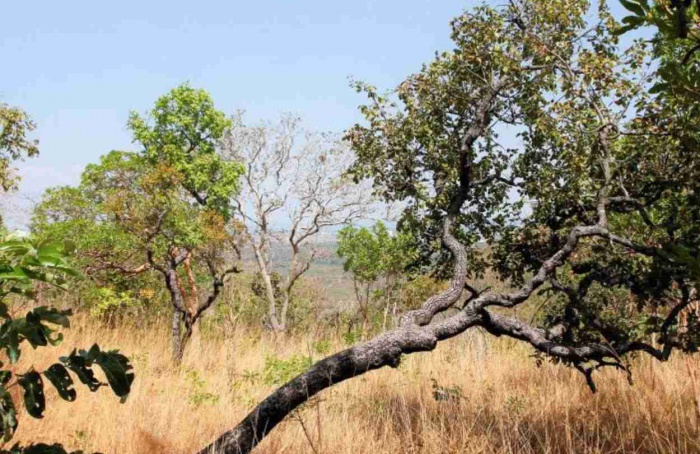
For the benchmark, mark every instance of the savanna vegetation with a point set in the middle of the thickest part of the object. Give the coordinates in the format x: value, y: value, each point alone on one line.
x: 537, y: 292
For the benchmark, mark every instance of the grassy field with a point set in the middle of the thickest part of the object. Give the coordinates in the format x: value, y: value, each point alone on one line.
x: 496, y: 400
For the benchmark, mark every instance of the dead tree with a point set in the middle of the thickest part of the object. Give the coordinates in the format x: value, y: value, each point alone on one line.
x: 294, y: 187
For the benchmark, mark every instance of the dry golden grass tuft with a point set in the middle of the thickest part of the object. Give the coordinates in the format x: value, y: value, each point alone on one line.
x: 493, y: 400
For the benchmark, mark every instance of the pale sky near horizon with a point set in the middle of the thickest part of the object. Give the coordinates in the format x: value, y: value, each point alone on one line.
x: 79, y: 67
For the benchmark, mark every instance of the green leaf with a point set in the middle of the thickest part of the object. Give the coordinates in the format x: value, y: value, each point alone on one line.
x: 62, y: 381
x: 41, y: 448
x: 14, y: 274
x: 55, y: 316
x: 80, y: 367
x: 625, y: 29
x: 11, y: 341
x: 659, y: 88
x: 8, y: 415
x: 117, y: 369
x: 34, y: 399
x: 634, y: 7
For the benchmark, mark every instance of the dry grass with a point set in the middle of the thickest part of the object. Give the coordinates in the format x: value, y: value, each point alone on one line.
x: 507, y: 404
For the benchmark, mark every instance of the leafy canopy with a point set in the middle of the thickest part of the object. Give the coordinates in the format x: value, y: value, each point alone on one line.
x: 182, y: 132
x: 15, y: 126
x: 371, y: 253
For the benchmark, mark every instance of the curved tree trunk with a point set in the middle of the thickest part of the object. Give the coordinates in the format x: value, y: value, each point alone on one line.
x: 384, y: 350
x: 414, y: 335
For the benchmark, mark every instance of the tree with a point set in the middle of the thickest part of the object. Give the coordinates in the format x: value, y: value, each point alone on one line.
x: 676, y: 43
x: 164, y: 209
x: 298, y: 174
x: 15, y: 125
x: 606, y: 198
x: 677, y: 20
x: 23, y: 263
x: 376, y: 259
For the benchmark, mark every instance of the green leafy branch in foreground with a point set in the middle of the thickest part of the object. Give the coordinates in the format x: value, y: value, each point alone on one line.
x: 24, y: 264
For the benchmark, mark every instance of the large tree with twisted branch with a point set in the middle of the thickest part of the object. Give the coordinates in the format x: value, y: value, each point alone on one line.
x: 537, y: 134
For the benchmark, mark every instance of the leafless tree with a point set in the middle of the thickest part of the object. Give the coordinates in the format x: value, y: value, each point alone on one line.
x: 294, y: 187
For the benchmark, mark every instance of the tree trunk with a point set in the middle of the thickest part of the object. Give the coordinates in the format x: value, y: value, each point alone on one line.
x: 384, y: 350
x: 182, y: 329
x: 176, y: 341
x: 415, y: 335
x: 269, y: 291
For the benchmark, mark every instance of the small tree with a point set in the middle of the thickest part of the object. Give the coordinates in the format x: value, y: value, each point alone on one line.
x: 376, y: 259
x: 15, y: 125
x: 298, y: 174
x: 164, y: 209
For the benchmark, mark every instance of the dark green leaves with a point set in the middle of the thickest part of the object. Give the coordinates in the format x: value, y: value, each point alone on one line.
x: 683, y: 256
x: 116, y: 367
x: 23, y: 263
x: 35, y: 328
x: 40, y: 448
x: 80, y: 366
x: 8, y: 415
x: 639, y: 8
x: 62, y: 381
x: 675, y: 19
x: 34, y: 399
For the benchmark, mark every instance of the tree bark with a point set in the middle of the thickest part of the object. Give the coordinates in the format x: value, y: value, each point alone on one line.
x: 269, y: 291
x: 176, y: 339
x: 385, y: 350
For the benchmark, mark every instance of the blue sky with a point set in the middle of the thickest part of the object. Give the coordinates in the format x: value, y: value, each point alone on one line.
x: 78, y: 67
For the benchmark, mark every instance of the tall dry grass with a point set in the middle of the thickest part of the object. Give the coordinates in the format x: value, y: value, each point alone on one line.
x: 500, y: 402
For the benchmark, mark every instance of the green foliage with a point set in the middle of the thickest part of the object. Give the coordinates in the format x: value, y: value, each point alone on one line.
x: 412, y: 143
x: 182, y: 133
x: 15, y: 125
x: 279, y: 371
x: 377, y: 260
x: 198, y: 390
x: 375, y: 252
x: 322, y: 347
x: 140, y: 218
x: 25, y: 263
x: 602, y: 132
x: 417, y: 289
x: 352, y: 337
x: 107, y: 301
x: 22, y: 263
x: 677, y: 42
x: 675, y: 19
